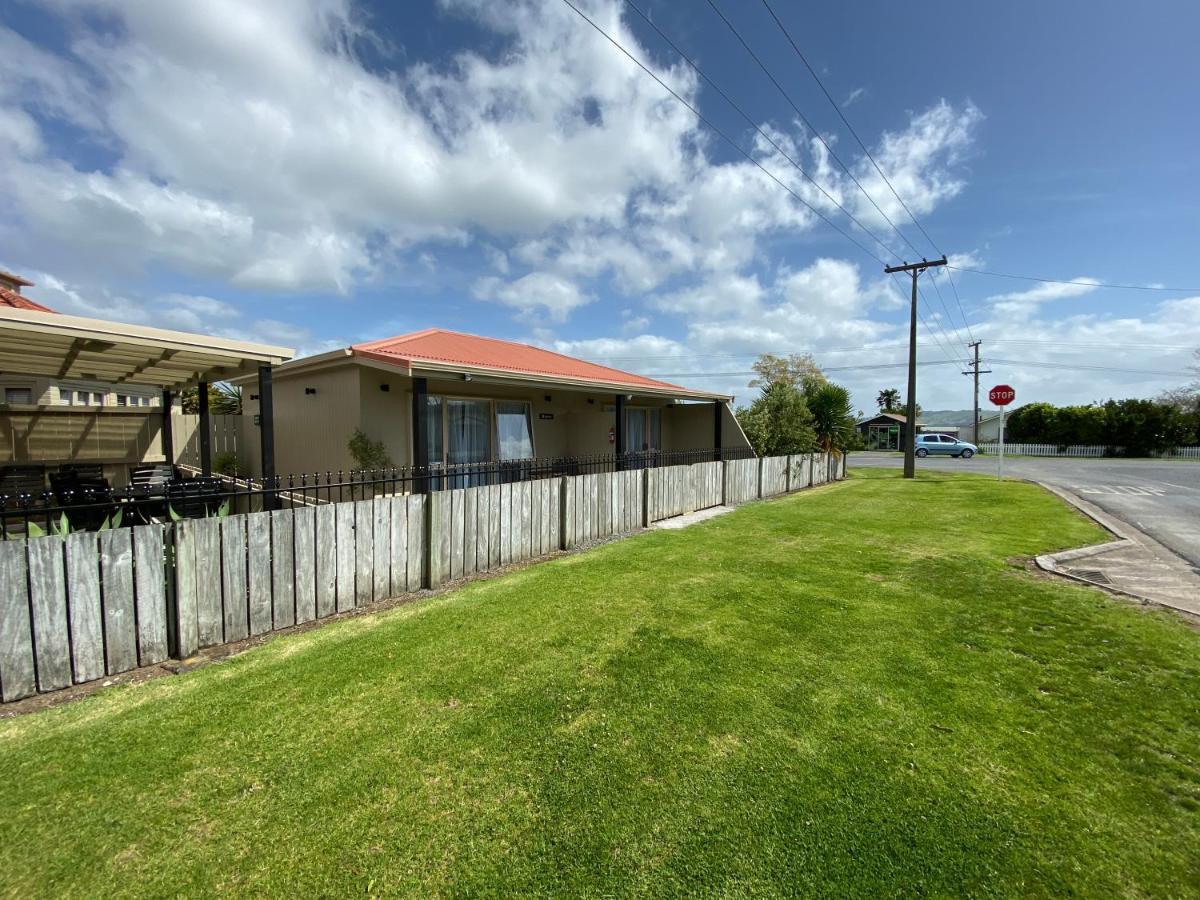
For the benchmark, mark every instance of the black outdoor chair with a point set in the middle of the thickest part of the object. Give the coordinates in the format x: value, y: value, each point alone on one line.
x: 194, y: 498
x: 84, y: 494
x: 22, y: 479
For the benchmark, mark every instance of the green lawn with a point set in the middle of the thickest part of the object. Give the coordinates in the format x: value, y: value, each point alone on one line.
x: 856, y: 690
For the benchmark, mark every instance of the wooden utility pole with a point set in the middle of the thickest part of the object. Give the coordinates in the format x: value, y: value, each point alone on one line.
x: 976, y: 371
x: 910, y: 417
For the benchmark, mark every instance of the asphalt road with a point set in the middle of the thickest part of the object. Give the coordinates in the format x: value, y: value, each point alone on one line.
x: 1161, y: 498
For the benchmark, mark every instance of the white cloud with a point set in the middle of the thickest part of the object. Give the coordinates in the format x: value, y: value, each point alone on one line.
x: 537, y: 292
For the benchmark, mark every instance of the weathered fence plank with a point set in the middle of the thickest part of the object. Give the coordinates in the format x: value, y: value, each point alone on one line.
x: 210, y: 628
x: 344, y: 586
x: 120, y: 621
x: 283, y: 569
x: 456, y: 533
x: 494, y: 518
x: 187, y: 639
x: 398, y: 561
x: 364, y: 552
x: 418, y: 505
x: 304, y: 526
x: 258, y: 567
x: 150, y: 593
x: 470, y: 540
x: 48, y: 605
x: 325, y: 542
x: 382, y: 544
x: 233, y: 578
x: 83, y: 604
x: 17, y: 676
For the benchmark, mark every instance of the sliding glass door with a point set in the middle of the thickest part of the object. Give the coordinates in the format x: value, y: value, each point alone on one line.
x: 467, y: 433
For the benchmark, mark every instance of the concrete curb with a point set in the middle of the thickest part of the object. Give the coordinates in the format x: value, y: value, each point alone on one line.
x: 1049, y: 562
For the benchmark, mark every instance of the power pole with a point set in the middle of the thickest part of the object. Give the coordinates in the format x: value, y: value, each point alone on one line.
x: 910, y: 423
x: 976, y: 371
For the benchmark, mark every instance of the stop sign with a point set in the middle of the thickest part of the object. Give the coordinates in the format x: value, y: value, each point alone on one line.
x: 1002, y: 395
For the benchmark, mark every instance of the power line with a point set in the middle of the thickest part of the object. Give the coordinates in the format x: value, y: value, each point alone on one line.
x: 1076, y: 367
x: 750, y: 121
x: 1099, y: 284
x: 871, y: 348
x: 817, y: 134
x: 864, y: 367
x: 841, y: 115
x: 744, y: 152
x: 720, y: 132
x: 786, y: 96
x: 1037, y: 364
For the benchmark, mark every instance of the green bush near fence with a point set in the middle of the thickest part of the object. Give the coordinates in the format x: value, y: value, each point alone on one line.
x: 805, y: 696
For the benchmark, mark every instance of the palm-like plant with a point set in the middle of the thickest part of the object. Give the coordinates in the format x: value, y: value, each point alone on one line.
x: 832, y: 416
x: 888, y: 400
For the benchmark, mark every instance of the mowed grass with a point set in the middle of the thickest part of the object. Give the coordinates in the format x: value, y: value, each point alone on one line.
x: 855, y: 690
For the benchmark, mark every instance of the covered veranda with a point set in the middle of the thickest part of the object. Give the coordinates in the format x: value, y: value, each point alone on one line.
x: 72, y: 348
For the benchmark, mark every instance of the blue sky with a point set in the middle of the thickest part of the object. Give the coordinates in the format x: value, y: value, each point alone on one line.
x: 319, y: 173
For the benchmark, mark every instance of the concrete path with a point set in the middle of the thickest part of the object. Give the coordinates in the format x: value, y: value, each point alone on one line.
x: 1134, y: 564
x: 692, y: 518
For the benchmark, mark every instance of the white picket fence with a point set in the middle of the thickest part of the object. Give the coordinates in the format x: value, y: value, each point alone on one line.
x: 1080, y: 450
x: 93, y: 604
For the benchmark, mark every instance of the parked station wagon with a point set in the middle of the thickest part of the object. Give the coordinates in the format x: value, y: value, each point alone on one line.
x: 944, y: 445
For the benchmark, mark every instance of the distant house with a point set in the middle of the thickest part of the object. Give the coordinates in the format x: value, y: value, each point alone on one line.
x: 18, y: 390
x: 885, y: 431
x: 442, y: 398
x: 989, y: 426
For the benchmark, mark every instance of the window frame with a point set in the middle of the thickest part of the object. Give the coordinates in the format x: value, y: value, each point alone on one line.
x: 493, y: 425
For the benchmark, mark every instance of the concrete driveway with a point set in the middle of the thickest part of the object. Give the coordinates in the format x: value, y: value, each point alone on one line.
x: 1161, y: 498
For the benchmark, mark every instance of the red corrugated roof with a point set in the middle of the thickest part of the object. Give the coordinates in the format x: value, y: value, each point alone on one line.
x: 454, y: 348
x: 18, y: 301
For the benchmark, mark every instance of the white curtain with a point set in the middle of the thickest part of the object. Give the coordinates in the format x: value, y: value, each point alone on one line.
x: 514, y: 430
x: 467, y: 438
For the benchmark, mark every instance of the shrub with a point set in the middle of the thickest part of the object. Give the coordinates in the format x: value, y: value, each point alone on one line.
x: 366, y: 453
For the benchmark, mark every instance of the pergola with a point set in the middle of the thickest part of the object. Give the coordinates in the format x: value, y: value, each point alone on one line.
x: 72, y: 347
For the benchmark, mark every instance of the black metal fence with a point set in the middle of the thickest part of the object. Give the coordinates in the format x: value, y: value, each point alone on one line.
x: 27, y: 511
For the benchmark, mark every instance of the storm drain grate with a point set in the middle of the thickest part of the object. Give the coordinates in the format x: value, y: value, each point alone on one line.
x: 1094, y: 575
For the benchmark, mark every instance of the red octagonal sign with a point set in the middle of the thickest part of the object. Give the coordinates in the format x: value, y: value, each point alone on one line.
x: 1002, y: 395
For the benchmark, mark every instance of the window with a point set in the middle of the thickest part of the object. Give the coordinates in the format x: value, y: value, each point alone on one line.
x: 22, y: 396
x: 65, y: 396
x: 514, y: 430
x: 122, y: 400
x: 97, y: 398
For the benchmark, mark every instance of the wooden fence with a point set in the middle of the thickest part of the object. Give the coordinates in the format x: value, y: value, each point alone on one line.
x: 93, y: 604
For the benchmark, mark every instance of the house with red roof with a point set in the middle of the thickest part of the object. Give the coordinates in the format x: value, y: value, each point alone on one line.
x: 443, y: 398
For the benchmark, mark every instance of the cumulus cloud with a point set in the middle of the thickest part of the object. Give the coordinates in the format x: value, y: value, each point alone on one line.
x: 537, y: 292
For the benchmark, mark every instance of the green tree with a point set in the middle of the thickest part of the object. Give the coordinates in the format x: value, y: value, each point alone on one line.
x: 223, y: 400
x: 798, y: 370
x: 778, y: 421
x: 888, y: 401
x: 1143, y: 427
x: 832, y: 417
x: 1033, y: 423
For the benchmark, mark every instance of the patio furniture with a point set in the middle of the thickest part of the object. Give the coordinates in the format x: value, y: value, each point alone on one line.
x: 22, y: 479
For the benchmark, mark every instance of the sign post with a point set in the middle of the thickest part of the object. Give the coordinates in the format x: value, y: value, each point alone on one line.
x: 1001, y: 395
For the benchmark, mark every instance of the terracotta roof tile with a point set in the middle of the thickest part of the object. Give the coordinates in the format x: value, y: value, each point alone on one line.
x: 441, y: 346
x: 19, y: 301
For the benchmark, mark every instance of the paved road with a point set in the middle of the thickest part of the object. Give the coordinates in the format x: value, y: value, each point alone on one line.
x: 1160, y: 498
